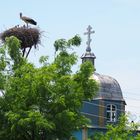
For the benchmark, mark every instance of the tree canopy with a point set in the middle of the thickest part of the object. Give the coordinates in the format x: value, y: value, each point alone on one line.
x: 42, y: 103
x: 123, y: 130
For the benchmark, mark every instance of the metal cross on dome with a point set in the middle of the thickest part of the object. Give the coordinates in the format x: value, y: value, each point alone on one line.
x: 89, y: 32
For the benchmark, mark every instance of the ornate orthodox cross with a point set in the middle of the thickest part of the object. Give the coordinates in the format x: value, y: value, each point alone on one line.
x: 89, y: 32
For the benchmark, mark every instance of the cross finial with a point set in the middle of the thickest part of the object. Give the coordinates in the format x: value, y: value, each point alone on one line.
x: 89, y: 32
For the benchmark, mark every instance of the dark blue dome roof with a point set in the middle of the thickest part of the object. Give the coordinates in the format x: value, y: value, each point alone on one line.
x: 109, y: 88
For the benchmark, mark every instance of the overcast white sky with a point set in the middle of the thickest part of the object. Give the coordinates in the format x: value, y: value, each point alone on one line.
x: 115, y: 43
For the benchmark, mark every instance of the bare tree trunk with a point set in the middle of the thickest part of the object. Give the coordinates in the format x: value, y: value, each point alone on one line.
x: 33, y: 134
x: 43, y: 135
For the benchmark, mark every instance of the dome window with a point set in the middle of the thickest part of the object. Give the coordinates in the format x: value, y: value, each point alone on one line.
x: 111, y: 113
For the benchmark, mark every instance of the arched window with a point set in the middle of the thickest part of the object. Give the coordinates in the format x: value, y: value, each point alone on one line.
x: 111, y: 113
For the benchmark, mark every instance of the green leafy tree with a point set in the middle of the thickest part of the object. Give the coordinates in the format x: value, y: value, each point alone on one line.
x: 42, y: 103
x: 124, y: 130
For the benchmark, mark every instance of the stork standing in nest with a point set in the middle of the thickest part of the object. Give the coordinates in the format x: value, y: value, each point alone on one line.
x: 28, y: 20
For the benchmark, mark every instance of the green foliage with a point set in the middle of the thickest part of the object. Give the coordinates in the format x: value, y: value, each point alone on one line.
x: 121, y: 131
x: 42, y: 103
x: 43, y: 60
x: 76, y: 40
x: 14, y: 47
x: 62, y: 44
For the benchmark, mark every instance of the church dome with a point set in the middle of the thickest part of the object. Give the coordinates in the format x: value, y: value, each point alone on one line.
x: 109, y: 88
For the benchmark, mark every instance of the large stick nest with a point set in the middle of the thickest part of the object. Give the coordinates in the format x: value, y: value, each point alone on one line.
x: 28, y: 36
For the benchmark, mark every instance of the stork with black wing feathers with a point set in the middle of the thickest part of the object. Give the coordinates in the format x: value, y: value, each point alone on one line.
x: 28, y: 20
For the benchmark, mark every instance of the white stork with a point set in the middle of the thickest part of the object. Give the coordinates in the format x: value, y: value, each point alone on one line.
x: 27, y: 20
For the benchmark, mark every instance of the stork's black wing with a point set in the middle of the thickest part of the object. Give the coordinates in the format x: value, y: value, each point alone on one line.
x: 31, y: 21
